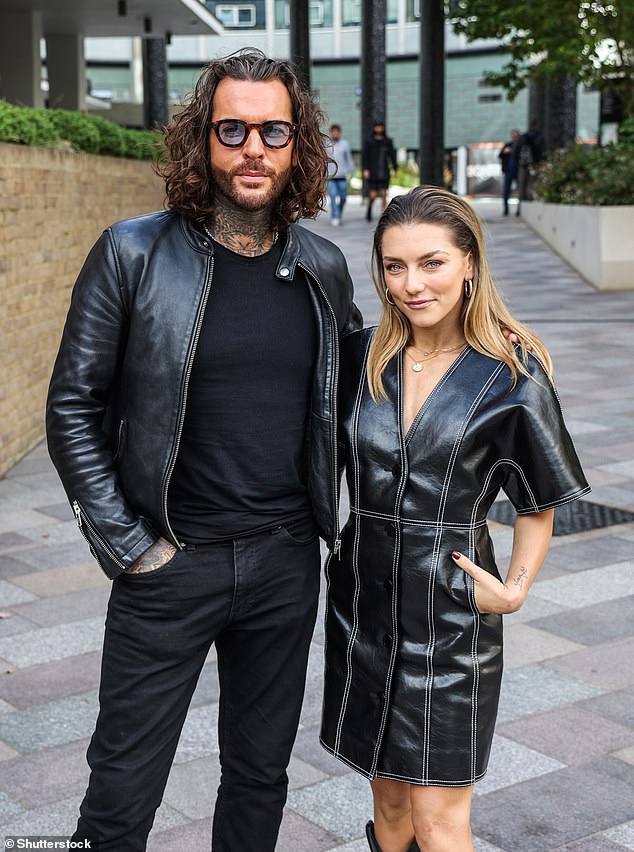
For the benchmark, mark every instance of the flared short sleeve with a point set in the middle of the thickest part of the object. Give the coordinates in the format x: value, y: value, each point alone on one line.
x: 540, y: 461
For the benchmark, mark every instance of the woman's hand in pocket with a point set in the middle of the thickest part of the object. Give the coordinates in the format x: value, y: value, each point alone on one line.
x: 491, y: 595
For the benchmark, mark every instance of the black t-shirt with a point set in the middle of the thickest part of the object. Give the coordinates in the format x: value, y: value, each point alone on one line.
x: 240, y: 464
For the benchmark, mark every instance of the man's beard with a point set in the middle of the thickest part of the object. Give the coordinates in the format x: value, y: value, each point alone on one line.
x: 245, y: 199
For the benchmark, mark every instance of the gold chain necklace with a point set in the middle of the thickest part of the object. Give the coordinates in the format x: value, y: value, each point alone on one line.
x: 418, y: 365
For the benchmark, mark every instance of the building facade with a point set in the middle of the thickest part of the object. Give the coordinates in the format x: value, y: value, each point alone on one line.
x: 474, y: 111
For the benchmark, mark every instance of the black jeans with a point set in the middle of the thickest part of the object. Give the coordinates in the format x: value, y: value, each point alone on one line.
x: 256, y: 597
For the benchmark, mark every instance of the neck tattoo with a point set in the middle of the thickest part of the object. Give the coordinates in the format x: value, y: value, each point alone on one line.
x: 246, y: 232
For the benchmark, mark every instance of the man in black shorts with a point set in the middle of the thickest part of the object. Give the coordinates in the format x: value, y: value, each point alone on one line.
x: 377, y: 158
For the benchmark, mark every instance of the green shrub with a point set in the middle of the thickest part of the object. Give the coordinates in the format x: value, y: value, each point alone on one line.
x: 26, y: 126
x: 600, y: 176
x: 83, y: 132
x: 77, y: 128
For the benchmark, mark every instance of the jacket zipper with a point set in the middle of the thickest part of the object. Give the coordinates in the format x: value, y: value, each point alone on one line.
x: 333, y: 395
x: 82, y: 518
x: 183, y: 398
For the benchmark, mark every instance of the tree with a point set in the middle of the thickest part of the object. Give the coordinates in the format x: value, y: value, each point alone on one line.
x: 591, y: 42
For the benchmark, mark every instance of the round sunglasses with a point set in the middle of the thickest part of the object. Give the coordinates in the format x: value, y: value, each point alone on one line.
x: 233, y: 132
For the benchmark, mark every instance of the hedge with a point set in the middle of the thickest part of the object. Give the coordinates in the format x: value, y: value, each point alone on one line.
x: 600, y: 176
x: 82, y: 131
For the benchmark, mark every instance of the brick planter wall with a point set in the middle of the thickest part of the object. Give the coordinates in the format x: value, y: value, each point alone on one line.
x: 53, y: 206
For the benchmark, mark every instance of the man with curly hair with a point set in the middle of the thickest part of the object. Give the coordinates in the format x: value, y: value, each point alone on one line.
x: 191, y: 417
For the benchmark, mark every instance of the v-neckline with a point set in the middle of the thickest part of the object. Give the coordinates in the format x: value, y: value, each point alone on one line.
x: 407, y: 436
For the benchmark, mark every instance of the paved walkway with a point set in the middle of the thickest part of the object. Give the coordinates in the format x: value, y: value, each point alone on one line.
x: 562, y: 770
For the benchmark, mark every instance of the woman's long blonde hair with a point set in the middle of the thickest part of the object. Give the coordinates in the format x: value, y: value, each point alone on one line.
x: 484, y: 314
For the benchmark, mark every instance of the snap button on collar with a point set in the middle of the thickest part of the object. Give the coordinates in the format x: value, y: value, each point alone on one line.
x: 285, y: 271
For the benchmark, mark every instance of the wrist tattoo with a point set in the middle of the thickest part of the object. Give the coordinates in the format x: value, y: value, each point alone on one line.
x: 521, y: 577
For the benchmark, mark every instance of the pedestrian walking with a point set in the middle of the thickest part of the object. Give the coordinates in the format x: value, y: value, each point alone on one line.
x: 437, y: 414
x: 377, y: 158
x: 509, y: 164
x: 340, y: 169
x: 191, y: 419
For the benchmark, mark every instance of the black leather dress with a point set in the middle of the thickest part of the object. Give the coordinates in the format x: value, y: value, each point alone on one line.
x: 413, y: 670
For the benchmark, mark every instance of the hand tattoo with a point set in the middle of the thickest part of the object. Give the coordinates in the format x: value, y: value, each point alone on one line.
x: 519, y: 580
x: 154, y: 557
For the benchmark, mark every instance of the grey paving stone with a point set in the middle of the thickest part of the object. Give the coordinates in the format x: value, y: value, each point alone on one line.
x: 588, y: 587
x: 9, y: 807
x: 11, y: 540
x: 6, y: 752
x: 535, y: 689
x: 60, y: 511
x: 51, y: 681
x: 53, y: 819
x: 208, y: 688
x: 53, y: 643
x: 10, y: 624
x: 167, y: 817
x: 59, y: 581
x: 199, y: 737
x: 626, y: 754
x: 609, y: 666
x: 51, y: 724
x: 512, y: 762
x: 49, y: 534
x: 596, y: 843
x: 308, y: 748
x: 73, y: 606
x: 46, y: 776
x: 593, y: 625
x: 297, y: 833
x: 354, y: 846
x: 192, y: 786
x: 340, y: 805
x: 533, y: 607
x: 10, y: 594
x: 593, y: 553
x: 558, y: 808
x: 56, y: 555
x: 12, y: 567
x: 191, y: 836
x: 302, y: 774
x: 525, y: 644
x: 569, y: 734
x: 623, y: 834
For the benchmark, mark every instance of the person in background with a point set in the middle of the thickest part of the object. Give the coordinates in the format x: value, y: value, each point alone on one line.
x: 437, y: 414
x: 340, y: 169
x: 377, y: 158
x: 530, y: 151
x: 509, y: 164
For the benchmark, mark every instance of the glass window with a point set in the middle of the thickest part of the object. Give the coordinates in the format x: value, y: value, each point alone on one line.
x: 413, y: 10
x: 351, y: 12
x: 320, y: 14
x: 240, y: 15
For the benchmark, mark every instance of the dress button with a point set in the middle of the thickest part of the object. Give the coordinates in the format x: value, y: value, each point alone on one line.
x: 285, y: 272
x: 390, y: 529
x: 387, y: 640
x: 388, y: 585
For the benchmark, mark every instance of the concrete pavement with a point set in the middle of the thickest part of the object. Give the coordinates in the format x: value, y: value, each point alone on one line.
x: 562, y: 771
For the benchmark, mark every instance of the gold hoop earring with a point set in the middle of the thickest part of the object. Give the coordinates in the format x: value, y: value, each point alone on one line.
x: 468, y: 288
x: 387, y: 298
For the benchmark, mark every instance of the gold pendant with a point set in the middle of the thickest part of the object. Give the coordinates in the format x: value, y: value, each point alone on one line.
x: 418, y: 367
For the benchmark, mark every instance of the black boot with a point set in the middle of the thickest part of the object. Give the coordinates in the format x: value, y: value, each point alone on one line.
x: 368, y: 213
x: 369, y: 832
x: 374, y: 846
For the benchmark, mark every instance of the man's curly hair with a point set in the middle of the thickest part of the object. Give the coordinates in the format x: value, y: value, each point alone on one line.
x: 184, y: 162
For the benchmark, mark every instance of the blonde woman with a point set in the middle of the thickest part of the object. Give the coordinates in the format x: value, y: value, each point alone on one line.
x: 438, y: 412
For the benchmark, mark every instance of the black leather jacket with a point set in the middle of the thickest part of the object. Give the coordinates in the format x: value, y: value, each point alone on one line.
x: 118, y: 393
